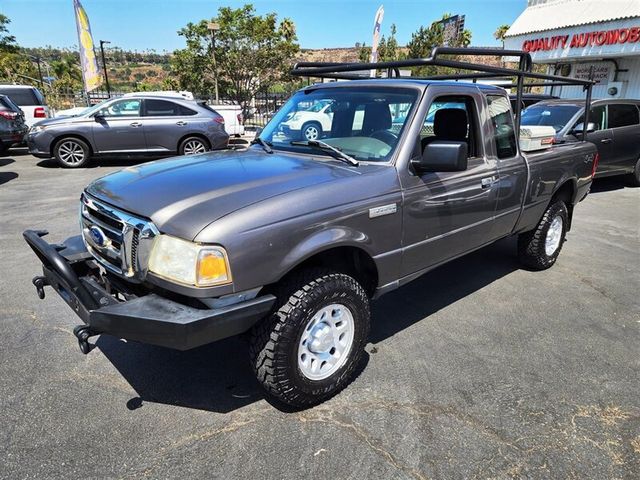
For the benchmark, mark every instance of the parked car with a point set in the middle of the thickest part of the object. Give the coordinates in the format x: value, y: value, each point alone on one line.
x: 291, y: 239
x: 614, y: 127
x: 233, y: 121
x: 30, y: 101
x: 529, y: 99
x: 140, y: 125
x: 12, y: 126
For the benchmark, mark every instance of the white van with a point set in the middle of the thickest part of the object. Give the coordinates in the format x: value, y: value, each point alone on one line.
x: 30, y: 101
x: 232, y: 115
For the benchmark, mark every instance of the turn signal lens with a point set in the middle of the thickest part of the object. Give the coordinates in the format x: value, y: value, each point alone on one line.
x: 212, y: 267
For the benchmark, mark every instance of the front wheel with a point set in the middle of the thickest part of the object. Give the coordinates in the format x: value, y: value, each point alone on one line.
x: 310, y: 347
x: 192, y: 146
x: 539, y: 248
x: 72, y: 152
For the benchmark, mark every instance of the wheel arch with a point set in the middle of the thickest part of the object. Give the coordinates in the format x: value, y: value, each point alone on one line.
x: 566, y: 191
x: 78, y: 136
x: 347, y: 257
x: 195, y: 134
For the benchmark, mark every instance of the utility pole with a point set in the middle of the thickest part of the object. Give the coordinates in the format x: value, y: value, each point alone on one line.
x: 104, y: 66
x: 213, y: 27
x: 37, y: 59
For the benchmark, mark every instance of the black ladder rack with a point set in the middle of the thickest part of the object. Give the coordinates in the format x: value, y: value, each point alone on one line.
x: 347, y: 71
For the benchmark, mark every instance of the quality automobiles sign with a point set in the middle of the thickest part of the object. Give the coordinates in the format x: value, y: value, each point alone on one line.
x: 597, y: 38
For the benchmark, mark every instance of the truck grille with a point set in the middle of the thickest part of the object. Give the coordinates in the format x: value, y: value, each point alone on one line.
x: 116, y: 238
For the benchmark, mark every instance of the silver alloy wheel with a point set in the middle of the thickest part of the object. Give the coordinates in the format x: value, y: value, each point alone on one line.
x: 311, y: 132
x: 326, y: 342
x: 71, y: 152
x: 194, y: 146
x: 554, y: 236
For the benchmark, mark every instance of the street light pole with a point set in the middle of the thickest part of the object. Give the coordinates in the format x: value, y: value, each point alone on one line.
x: 104, y: 66
x: 213, y: 27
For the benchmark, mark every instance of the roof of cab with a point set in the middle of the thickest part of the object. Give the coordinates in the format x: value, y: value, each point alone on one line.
x: 405, y: 82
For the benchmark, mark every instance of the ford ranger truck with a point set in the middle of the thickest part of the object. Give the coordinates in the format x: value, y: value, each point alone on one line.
x: 291, y: 240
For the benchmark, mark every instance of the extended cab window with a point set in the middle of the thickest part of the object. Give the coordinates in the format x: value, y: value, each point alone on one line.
x: 623, y: 115
x: 451, y: 118
x: 502, y: 121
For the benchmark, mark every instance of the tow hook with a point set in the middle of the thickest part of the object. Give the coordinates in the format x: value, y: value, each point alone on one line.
x: 82, y: 333
x: 40, y: 283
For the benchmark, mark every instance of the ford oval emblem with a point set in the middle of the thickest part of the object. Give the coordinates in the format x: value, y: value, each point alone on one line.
x: 98, y: 237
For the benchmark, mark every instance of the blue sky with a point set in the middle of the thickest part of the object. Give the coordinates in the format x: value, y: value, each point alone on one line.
x: 152, y: 24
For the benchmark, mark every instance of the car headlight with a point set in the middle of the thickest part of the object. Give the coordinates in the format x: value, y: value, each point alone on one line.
x: 189, y: 263
x: 36, y: 129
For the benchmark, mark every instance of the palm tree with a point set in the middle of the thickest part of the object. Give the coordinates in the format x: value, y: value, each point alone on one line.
x: 500, y: 33
x: 288, y: 29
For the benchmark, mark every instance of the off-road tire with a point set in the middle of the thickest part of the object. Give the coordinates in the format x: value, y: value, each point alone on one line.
x: 634, y: 178
x: 531, y: 244
x: 273, y: 343
x: 63, y: 147
x: 303, y: 130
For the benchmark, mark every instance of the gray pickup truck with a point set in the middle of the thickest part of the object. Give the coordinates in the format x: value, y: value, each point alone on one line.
x: 290, y: 240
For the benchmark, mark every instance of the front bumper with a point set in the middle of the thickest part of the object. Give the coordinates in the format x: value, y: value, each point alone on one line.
x: 151, y: 318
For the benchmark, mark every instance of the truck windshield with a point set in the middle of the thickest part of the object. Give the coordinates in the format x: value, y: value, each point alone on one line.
x: 556, y: 116
x: 363, y: 122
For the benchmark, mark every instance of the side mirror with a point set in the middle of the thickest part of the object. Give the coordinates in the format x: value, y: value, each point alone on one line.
x: 98, y: 117
x: 579, y: 128
x: 442, y: 156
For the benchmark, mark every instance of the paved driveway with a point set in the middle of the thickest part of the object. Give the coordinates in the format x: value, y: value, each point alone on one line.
x: 478, y: 369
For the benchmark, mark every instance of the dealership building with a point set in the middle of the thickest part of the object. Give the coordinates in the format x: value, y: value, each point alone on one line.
x: 598, y: 39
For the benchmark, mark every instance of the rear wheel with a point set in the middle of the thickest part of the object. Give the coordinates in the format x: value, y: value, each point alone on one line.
x: 310, y: 347
x: 193, y: 145
x: 539, y: 248
x: 4, y: 149
x: 72, y: 152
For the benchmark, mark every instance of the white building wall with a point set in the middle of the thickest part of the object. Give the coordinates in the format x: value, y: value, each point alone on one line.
x: 630, y: 81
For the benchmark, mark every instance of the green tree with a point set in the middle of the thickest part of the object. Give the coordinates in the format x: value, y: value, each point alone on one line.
x: 7, y: 42
x: 252, y: 52
x: 426, y: 38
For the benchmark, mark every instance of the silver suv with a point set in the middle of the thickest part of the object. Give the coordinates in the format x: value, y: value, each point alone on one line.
x: 133, y: 125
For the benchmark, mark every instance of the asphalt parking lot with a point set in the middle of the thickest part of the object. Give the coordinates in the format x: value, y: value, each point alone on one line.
x: 478, y: 370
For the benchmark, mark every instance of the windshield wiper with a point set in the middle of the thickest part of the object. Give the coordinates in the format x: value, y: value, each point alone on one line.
x: 266, y: 146
x: 325, y: 147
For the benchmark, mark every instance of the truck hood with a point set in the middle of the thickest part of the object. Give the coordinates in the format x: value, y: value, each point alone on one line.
x: 183, y: 195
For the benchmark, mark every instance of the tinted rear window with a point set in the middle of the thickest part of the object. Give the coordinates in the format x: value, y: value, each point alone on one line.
x: 21, y: 96
x: 556, y: 116
x: 623, y: 115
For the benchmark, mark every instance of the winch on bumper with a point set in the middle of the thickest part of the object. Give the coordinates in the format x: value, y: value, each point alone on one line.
x: 152, y: 318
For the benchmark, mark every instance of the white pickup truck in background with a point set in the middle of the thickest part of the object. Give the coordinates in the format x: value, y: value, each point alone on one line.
x: 233, y: 120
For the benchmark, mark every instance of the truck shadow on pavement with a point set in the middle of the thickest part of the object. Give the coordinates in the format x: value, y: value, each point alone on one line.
x: 609, y: 184
x: 218, y: 378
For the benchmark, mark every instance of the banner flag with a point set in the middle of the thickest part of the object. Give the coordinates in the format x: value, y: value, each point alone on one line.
x: 377, y: 23
x: 90, y: 72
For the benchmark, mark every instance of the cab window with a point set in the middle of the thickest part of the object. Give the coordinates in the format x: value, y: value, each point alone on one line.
x: 451, y: 118
x: 504, y: 137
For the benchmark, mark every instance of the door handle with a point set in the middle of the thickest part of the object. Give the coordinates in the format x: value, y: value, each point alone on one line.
x: 136, y: 124
x: 181, y: 123
x: 606, y: 140
x: 488, y: 181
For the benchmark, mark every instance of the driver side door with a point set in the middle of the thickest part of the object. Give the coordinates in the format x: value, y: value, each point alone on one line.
x: 118, y: 128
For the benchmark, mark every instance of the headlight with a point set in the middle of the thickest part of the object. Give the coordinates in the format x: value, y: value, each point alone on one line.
x: 189, y: 263
x: 36, y: 129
